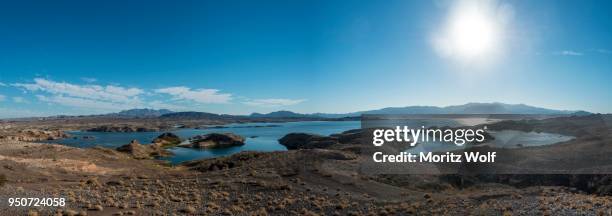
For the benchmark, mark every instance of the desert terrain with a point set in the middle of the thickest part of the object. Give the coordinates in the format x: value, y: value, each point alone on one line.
x: 320, y: 175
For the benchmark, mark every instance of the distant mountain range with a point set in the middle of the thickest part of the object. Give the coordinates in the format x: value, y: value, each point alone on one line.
x: 141, y: 113
x: 282, y: 114
x: 198, y: 115
x: 469, y: 108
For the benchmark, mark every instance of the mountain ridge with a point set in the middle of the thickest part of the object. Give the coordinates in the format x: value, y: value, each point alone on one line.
x: 468, y: 108
x: 144, y: 112
x: 280, y: 114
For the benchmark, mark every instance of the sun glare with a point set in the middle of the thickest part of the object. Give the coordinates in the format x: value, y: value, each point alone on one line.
x: 472, y: 32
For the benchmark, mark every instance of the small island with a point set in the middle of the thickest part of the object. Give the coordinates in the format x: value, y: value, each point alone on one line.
x: 214, y: 140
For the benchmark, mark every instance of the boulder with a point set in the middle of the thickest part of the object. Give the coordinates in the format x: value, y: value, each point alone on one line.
x: 306, y: 141
x: 215, y: 140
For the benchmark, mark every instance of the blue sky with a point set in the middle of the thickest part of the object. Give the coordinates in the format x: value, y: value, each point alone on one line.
x: 238, y: 57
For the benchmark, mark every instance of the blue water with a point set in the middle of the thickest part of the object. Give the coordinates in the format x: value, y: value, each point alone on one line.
x: 264, y: 137
x: 503, y: 139
x: 257, y: 138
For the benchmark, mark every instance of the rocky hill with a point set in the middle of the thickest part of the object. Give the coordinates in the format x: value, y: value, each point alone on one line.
x: 143, y: 112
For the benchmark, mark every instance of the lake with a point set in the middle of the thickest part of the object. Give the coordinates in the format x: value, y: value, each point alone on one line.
x: 503, y: 139
x: 259, y: 137
x: 264, y: 137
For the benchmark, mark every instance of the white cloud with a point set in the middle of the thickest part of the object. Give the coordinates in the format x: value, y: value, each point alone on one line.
x: 198, y: 95
x: 19, y: 100
x: 2, y: 84
x: 273, y: 102
x: 108, y: 97
x: 85, y: 103
x: 568, y: 53
x: 95, y: 92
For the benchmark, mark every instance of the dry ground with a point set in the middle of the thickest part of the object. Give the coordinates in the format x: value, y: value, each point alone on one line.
x: 309, y: 182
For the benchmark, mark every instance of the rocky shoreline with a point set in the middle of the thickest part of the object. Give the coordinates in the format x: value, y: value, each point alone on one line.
x: 33, y: 135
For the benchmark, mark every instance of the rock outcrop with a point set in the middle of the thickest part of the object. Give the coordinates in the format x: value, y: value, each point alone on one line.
x: 306, y: 141
x: 215, y: 140
x: 167, y: 140
x: 139, y: 151
x: 349, y: 136
x: 157, y: 148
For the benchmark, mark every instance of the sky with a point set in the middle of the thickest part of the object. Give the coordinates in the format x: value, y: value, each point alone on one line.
x: 239, y: 57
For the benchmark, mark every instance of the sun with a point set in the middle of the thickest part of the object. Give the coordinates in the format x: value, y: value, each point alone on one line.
x: 472, y: 32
